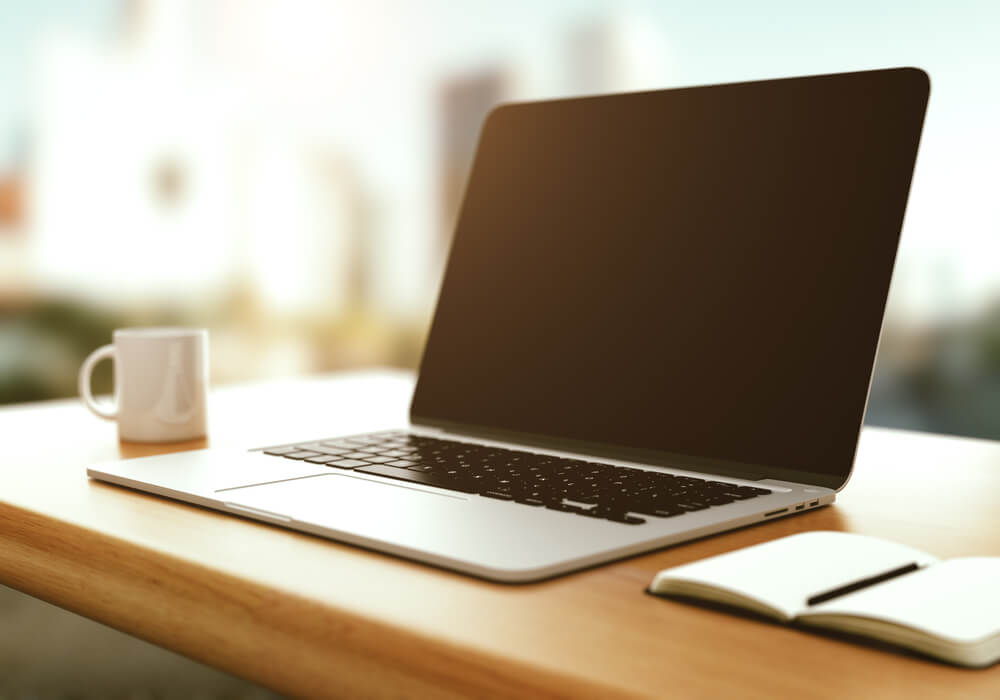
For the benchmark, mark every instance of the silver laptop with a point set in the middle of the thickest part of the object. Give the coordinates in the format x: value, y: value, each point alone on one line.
x: 658, y: 321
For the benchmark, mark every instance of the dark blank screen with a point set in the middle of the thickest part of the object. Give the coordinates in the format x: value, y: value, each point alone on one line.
x: 700, y: 271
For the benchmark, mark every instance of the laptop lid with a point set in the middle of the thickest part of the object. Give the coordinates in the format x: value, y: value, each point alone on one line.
x: 692, y: 277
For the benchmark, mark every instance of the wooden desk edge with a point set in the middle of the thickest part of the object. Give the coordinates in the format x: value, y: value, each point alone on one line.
x: 318, y: 651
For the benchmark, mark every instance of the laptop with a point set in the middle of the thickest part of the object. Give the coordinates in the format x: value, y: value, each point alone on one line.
x: 658, y: 321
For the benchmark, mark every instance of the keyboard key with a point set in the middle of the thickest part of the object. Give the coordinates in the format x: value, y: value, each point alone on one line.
x: 718, y: 499
x: 530, y: 501
x: 401, y: 463
x: 280, y: 451
x: 692, y: 505
x: 304, y: 454
x: 321, y: 459
x: 323, y: 449
x: 627, y: 519
x: 499, y: 495
x: 347, y: 463
x: 663, y: 512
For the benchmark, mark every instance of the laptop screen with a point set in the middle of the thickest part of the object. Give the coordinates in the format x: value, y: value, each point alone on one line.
x: 699, y: 272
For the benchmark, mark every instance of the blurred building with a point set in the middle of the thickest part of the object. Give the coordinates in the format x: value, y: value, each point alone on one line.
x: 614, y: 54
x: 464, y: 102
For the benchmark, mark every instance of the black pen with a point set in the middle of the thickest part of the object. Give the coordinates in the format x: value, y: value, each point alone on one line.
x: 861, y: 583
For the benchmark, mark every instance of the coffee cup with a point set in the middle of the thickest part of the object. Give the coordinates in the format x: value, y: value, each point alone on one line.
x: 160, y: 383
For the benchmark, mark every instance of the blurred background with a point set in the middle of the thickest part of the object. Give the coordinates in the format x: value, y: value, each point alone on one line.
x: 288, y: 173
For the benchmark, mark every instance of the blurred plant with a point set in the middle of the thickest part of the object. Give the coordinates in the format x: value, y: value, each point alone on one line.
x: 43, y: 344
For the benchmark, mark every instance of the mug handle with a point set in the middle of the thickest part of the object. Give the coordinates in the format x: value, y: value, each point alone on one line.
x: 106, y: 352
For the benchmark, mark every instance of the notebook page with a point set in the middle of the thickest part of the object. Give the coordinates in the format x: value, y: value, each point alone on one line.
x: 783, y: 573
x: 956, y: 600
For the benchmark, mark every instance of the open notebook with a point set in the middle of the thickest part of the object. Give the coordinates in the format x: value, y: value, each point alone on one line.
x: 861, y: 585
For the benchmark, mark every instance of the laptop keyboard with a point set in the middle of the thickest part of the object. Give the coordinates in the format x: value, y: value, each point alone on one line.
x: 586, y: 488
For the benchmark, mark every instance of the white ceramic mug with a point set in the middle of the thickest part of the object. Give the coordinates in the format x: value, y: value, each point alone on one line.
x: 161, y: 380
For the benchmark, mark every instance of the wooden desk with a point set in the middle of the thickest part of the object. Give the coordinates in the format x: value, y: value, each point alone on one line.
x: 309, y: 617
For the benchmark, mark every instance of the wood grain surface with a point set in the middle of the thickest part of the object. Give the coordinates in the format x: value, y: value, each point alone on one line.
x: 309, y: 617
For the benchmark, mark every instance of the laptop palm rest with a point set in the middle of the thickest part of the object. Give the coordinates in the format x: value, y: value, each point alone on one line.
x: 446, y: 529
